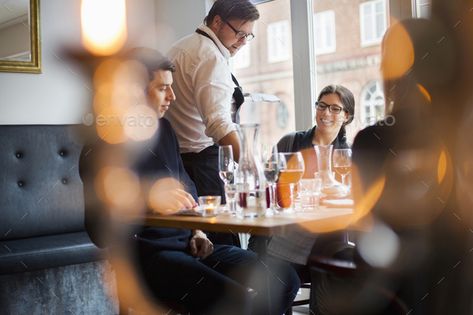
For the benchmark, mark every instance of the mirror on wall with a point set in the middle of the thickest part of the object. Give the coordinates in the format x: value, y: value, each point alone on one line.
x: 20, y: 45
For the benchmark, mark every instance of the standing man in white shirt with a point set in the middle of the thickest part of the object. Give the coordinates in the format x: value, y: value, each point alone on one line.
x: 207, y: 94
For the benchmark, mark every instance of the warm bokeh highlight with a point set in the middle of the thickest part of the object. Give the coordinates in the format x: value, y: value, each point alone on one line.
x: 104, y: 28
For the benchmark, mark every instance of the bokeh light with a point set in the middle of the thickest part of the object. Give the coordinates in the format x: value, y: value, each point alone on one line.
x: 104, y: 29
x: 159, y: 198
x: 398, y: 53
x: 380, y: 247
x: 118, y: 187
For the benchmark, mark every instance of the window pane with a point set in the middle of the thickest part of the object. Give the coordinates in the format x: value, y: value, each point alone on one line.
x: 278, y: 41
x: 243, y: 58
x: 423, y: 8
x: 354, y: 64
x: 270, y: 72
x: 324, y: 32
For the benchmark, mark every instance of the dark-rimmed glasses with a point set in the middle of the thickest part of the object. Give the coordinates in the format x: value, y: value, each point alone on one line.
x: 240, y: 34
x: 334, y: 109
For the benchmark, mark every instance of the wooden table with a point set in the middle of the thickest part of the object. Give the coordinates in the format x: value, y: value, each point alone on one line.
x: 280, y: 223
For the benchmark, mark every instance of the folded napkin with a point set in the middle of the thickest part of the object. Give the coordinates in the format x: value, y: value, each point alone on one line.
x: 189, y: 212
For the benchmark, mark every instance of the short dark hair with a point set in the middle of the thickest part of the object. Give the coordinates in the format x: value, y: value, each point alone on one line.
x: 232, y: 9
x: 348, y: 102
x: 152, y: 59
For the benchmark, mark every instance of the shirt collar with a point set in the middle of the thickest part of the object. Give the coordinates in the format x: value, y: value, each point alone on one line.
x: 225, y: 52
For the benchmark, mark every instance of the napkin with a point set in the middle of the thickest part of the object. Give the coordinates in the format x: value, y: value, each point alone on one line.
x: 189, y: 212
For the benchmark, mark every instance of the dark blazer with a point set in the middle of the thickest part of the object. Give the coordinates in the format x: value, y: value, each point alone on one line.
x: 164, y: 160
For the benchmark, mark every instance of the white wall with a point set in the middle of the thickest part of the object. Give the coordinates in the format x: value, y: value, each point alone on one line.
x: 61, y: 93
x: 177, y: 18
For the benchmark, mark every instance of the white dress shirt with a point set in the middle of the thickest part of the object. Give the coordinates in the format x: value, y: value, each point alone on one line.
x: 201, y: 114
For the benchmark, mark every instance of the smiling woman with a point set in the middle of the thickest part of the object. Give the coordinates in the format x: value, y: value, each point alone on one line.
x: 20, y: 49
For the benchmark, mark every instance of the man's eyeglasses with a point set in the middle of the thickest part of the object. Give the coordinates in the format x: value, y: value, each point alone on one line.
x: 240, y: 34
x: 334, y: 109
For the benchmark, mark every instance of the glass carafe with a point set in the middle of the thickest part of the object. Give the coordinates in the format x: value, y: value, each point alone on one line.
x: 249, y: 177
x: 330, y: 186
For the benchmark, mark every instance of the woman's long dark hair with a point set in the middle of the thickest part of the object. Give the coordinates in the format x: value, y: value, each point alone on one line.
x: 348, y: 102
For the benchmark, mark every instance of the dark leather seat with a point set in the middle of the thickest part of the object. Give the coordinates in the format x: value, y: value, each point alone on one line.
x: 42, y: 220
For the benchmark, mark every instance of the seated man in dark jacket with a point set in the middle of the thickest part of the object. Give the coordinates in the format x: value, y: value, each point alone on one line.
x: 182, y: 266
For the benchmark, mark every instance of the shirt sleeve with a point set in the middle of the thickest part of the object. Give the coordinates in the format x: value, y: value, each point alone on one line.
x: 213, y: 95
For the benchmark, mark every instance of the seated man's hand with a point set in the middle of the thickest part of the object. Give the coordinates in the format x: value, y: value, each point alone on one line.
x: 167, y: 196
x: 200, y: 245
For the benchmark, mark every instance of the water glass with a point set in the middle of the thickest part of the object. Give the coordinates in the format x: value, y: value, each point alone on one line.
x: 230, y: 196
x: 309, y: 193
x: 271, y: 165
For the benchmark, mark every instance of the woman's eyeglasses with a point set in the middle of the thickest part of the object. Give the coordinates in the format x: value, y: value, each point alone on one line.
x: 334, y: 109
x: 240, y: 34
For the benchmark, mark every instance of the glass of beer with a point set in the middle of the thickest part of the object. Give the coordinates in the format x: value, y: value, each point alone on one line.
x: 290, y: 173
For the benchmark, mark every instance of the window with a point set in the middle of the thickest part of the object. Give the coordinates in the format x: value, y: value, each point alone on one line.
x: 372, y: 103
x: 352, y: 65
x: 267, y: 79
x: 349, y: 63
x: 423, y: 8
x: 372, y: 22
x: 279, y: 41
x: 324, y: 32
x: 243, y: 58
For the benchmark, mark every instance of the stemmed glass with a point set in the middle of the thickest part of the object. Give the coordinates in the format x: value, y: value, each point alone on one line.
x: 226, y: 170
x: 270, y: 160
x: 342, y: 164
x: 291, y: 171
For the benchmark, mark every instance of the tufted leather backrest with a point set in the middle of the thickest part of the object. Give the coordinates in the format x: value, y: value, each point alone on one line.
x: 40, y: 189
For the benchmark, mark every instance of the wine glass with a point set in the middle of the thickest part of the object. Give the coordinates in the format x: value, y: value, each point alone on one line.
x: 226, y: 170
x: 226, y: 164
x: 270, y: 160
x: 291, y: 171
x: 342, y: 164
